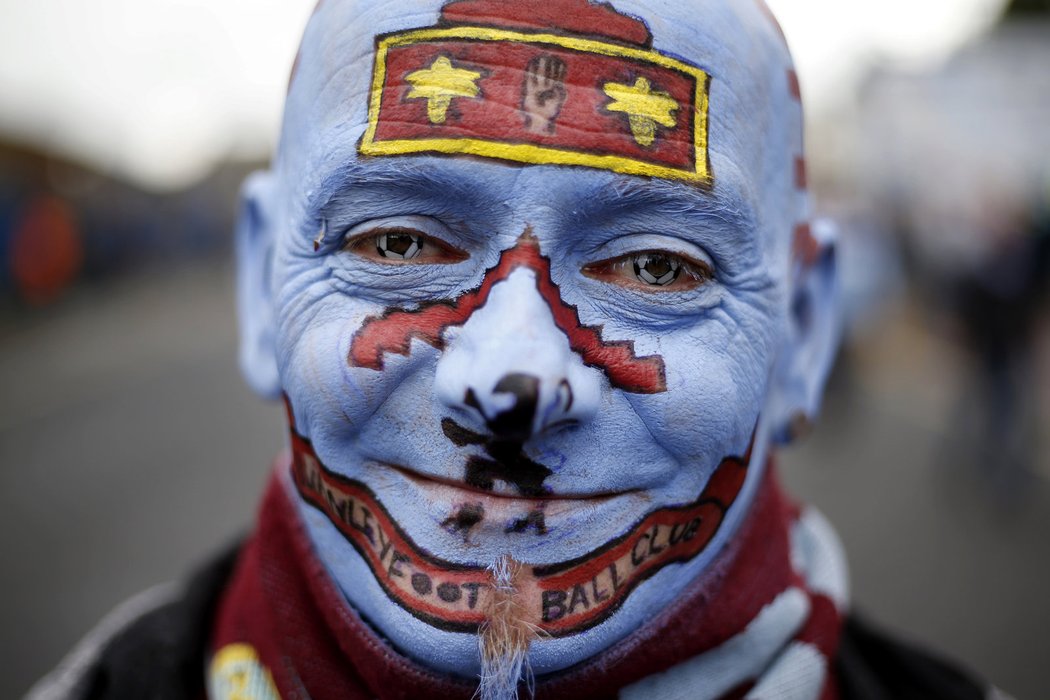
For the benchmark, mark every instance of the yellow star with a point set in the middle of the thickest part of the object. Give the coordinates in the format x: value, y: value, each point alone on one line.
x: 644, y: 107
x: 438, y: 84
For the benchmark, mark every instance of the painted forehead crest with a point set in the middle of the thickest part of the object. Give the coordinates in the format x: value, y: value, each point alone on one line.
x: 562, y: 82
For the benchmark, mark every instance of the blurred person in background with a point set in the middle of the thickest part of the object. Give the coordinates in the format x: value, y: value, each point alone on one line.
x: 1000, y: 303
x: 965, y: 182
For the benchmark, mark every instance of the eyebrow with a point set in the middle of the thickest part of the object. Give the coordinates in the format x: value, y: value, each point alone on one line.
x: 423, y: 180
x: 656, y: 196
x: 624, y: 196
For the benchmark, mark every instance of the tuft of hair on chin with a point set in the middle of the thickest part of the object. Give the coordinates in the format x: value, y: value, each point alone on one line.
x: 505, y: 637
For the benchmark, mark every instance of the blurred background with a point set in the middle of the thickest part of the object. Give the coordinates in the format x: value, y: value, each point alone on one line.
x: 131, y: 449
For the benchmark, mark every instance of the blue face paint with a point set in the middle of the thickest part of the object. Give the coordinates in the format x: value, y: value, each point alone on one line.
x: 489, y: 353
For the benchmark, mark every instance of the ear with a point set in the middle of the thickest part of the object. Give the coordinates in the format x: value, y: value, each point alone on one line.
x: 813, y: 332
x: 255, y: 238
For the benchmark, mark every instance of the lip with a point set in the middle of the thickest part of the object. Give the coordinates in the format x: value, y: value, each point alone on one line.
x: 436, y: 484
x: 506, y: 521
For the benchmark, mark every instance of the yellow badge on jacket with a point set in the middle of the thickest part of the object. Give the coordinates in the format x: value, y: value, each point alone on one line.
x: 236, y: 674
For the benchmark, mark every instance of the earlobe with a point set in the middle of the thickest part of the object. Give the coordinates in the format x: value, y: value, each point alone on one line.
x: 254, y: 252
x: 813, y: 332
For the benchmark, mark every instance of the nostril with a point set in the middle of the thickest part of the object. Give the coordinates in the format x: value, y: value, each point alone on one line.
x: 555, y: 414
x: 565, y: 394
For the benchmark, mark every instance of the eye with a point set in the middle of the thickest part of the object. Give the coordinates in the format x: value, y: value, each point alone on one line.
x: 652, y: 271
x: 401, y: 245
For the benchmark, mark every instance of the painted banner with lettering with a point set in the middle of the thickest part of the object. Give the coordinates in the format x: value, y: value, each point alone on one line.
x: 562, y: 599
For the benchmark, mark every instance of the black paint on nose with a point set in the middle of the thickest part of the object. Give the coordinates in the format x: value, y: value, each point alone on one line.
x: 515, y: 423
x: 506, y: 460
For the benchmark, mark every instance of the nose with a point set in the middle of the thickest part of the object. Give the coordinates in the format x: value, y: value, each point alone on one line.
x: 510, y: 369
x: 516, y: 422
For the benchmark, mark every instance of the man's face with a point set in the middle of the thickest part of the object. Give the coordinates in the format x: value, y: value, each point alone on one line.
x: 490, y: 361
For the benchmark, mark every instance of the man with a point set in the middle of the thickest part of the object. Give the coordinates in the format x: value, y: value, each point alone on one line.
x: 536, y: 284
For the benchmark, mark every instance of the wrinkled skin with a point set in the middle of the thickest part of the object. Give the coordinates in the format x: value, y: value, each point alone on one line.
x: 748, y: 347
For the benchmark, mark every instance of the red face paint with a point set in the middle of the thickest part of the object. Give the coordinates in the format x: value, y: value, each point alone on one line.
x: 393, y: 331
x: 805, y: 249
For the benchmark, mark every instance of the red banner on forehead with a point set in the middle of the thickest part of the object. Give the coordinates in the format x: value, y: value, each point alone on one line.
x: 538, y: 98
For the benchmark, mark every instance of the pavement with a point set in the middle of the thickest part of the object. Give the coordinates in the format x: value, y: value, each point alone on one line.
x: 133, y: 450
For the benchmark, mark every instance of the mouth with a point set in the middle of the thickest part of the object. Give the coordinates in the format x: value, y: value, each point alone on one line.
x: 479, y: 514
x: 501, y: 494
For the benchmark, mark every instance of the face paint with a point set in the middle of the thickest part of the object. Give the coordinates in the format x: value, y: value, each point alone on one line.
x: 580, y: 102
x: 393, y: 331
x: 510, y: 342
x: 558, y: 599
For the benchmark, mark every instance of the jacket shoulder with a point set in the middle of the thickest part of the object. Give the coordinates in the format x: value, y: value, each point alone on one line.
x: 151, y: 646
x: 871, y: 665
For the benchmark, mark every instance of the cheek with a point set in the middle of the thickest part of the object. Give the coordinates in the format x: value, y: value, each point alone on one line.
x: 332, y: 400
x: 715, y: 390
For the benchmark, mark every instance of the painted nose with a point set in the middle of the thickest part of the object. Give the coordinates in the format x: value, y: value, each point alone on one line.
x: 515, y: 423
x: 511, y: 370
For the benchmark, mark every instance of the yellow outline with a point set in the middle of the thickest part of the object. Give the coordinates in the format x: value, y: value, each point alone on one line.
x: 529, y: 153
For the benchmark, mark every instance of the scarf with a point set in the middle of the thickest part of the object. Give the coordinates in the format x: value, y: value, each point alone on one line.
x: 763, y: 621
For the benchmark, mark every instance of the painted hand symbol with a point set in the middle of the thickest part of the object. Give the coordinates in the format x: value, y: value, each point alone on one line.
x: 543, y: 93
